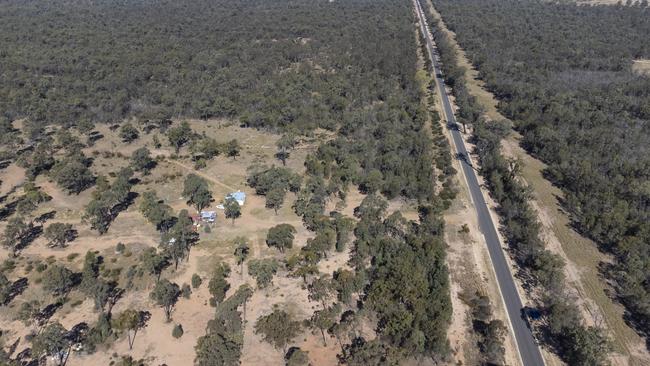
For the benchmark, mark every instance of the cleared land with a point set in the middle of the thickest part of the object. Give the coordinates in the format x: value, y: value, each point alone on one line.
x: 155, y: 342
x: 641, y: 67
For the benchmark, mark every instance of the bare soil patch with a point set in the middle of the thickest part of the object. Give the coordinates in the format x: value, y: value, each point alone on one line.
x: 11, y: 177
x: 642, y: 67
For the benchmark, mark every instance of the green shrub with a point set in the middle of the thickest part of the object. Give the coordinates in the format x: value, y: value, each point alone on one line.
x: 177, y: 332
x: 200, y: 164
x: 8, y: 265
x: 186, y: 291
x: 196, y: 280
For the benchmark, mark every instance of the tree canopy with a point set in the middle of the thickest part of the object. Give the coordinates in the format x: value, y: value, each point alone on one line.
x: 53, y: 341
x: 277, y: 328
x: 281, y: 237
x: 165, y: 294
x: 58, y: 280
x: 59, y: 234
x: 197, y: 192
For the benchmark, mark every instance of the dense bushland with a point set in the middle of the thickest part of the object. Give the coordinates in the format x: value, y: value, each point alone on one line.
x: 563, y: 74
x: 280, y: 63
x: 400, y: 279
x: 276, y: 65
x: 563, y: 327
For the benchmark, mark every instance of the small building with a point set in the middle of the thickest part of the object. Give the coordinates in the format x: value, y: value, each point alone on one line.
x: 238, y: 196
x: 196, y: 222
x: 209, y: 216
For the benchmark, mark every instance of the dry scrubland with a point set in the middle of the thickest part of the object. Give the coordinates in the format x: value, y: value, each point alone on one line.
x: 155, y: 342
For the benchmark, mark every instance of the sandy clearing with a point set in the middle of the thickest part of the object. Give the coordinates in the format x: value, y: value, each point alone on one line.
x: 133, y: 230
x: 642, y: 67
x: 11, y: 177
x: 201, y: 174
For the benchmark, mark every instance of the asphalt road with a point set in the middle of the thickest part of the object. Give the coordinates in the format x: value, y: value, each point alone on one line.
x: 527, y: 346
